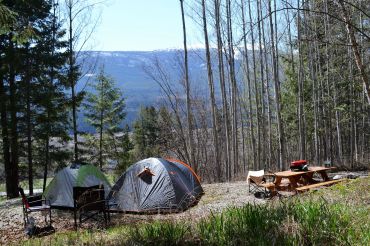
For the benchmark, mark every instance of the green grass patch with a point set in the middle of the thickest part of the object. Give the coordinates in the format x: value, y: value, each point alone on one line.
x: 159, y: 233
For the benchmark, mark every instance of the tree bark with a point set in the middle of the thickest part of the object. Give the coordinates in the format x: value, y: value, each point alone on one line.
x: 225, y: 110
x: 72, y: 82
x: 277, y: 94
x: 5, y: 136
x: 187, y: 85
x: 258, y: 126
x: 27, y: 79
x: 247, y: 74
x: 355, y: 48
x: 212, y: 95
x: 13, y: 189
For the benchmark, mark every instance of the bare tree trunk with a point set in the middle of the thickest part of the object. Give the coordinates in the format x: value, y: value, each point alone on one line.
x: 222, y: 82
x: 263, y: 124
x: 212, y: 95
x: 313, y: 77
x: 247, y: 74
x: 277, y: 93
x: 234, y: 93
x: 329, y: 136
x: 268, y: 96
x: 187, y: 85
x: 355, y: 48
x: 72, y: 81
x: 256, y: 90
x: 302, y: 134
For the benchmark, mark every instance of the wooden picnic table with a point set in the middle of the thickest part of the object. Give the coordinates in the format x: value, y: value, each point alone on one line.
x: 297, y: 178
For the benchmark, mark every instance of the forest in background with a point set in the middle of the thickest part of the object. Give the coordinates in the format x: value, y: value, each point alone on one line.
x: 301, y: 92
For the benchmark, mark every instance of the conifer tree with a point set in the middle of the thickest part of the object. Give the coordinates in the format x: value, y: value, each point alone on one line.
x: 146, y: 133
x: 105, y: 111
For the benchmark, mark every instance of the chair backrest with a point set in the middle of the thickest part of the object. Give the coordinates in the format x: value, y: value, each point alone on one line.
x: 24, y: 198
x: 259, y: 173
x: 94, y: 195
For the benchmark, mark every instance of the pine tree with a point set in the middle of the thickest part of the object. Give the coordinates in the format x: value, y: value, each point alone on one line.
x: 146, y: 133
x: 105, y: 112
x: 20, y: 83
x: 125, y: 155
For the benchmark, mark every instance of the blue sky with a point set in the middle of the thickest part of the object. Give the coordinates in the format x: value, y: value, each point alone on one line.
x: 140, y: 25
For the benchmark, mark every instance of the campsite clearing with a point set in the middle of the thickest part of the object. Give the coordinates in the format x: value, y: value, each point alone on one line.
x: 353, y: 196
x: 217, y: 197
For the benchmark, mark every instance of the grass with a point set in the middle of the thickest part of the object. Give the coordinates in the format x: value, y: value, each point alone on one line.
x: 339, y: 215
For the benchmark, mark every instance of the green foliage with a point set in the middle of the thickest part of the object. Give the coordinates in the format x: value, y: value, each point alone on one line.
x: 32, y: 54
x: 293, y: 223
x: 126, y: 156
x: 7, y: 18
x: 146, y: 133
x: 250, y: 225
x: 105, y: 111
x: 105, y: 107
x: 160, y: 233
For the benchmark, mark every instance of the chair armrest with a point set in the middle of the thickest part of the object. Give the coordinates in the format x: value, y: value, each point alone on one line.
x: 91, y: 205
x: 270, y: 177
x: 39, y: 202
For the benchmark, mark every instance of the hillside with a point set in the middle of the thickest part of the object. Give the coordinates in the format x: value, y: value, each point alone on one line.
x: 128, y: 70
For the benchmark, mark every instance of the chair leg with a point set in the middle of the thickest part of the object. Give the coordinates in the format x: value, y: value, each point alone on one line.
x: 75, y: 217
x: 105, y: 218
x: 108, y: 215
x: 50, y: 221
x: 24, y: 218
x: 27, y: 220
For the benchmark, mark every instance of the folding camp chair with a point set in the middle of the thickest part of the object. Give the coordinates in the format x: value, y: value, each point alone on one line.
x: 89, y: 202
x: 32, y: 204
x: 257, y: 182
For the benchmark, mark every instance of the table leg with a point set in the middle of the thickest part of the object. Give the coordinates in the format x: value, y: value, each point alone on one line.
x: 308, y: 178
x: 277, y: 181
x: 293, y: 182
x: 324, y: 176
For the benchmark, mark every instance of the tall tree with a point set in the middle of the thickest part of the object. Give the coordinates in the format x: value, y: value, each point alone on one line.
x: 212, y: 93
x: 81, y: 22
x: 146, y: 133
x: 187, y: 87
x: 105, y: 111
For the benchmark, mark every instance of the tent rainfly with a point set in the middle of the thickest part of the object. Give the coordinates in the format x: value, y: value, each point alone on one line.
x: 156, y: 184
x: 60, y: 189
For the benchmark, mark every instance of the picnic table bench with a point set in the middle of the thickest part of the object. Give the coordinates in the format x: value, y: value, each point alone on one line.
x: 320, y: 184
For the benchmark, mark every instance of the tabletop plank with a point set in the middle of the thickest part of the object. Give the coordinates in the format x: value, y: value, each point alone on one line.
x: 289, y: 173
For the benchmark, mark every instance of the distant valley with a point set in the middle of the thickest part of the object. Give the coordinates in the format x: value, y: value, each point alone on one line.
x: 127, y: 69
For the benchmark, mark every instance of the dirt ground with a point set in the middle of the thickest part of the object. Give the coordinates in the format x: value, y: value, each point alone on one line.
x: 217, y: 197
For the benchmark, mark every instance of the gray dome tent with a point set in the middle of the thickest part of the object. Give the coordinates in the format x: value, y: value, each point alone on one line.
x: 156, y: 184
x: 60, y: 189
